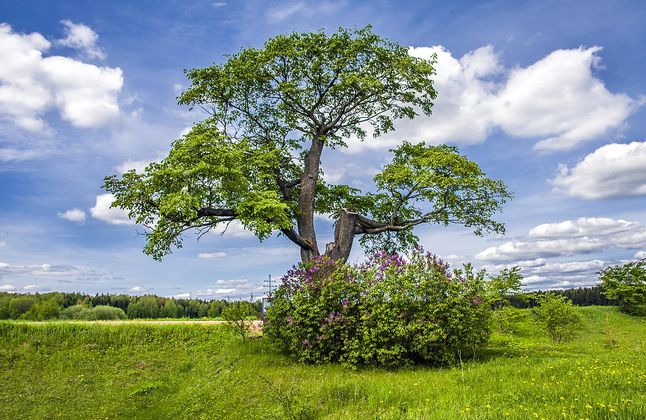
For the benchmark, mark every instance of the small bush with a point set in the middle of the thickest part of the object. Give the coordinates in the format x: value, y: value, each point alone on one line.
x: 104, y: 312
x: 101, y: 312
x: 558, y: 315
x: 76, y: 312
x: 239, y: 317
x: 387, y: 312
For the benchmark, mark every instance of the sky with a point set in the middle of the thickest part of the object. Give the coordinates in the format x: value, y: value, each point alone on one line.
x: 548, y: 96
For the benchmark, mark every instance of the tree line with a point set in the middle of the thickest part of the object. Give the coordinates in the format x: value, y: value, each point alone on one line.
x: 581, y: 296
x: 54, y: 305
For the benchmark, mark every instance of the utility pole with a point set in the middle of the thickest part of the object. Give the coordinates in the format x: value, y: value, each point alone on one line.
x: 269, y: 286
x: 266, y: 301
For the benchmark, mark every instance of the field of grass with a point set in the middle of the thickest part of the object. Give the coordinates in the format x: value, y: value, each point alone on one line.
x: 58, y: 369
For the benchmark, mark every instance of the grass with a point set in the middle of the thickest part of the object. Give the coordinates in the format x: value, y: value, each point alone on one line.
x: 67, y: 370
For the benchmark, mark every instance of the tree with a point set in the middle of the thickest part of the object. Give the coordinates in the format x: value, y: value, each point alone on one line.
x: 558, y: 316
x: 256, y: 158
x: 626, y: 283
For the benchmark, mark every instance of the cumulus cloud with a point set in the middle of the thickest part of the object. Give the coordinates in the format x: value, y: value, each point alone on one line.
x: 7, y: 288
x: 584, y: 226
x: 31, y: 287
x: 571, y: 237
x: 73, y: 215
x: 640, y: 255
x: 511, y: 251
x: 557, y: 100
x: 102, y: 211
x: 82, y: 37
x: 209, y: 255
x: 613, y: 170
x: 31, y: 85
x: 137, y: 289
x: 541, y: 274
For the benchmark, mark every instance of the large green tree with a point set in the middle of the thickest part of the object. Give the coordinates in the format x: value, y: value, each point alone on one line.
x: 256, y: 158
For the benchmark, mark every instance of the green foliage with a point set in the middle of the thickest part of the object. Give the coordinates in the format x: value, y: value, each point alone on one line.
x: 386, y: 312
x: 239, y: 318
x: 144, y: 307
x: 101, y: 312
x: 20, y: 305
x: 432, y: 184
x: 626, y: 284
x: 500, y: 289
x: 256, y: 157
x: 508, y: 283
x: 558, y: 315
x: 43, y: 310
x: 314, y: 313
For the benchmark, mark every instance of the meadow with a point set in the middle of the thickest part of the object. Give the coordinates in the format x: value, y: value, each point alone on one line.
x: 63, y: 369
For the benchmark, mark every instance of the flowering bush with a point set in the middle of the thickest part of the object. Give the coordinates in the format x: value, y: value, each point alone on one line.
x: 388, y: 311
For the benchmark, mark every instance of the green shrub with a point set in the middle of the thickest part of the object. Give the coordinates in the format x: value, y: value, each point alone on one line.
x: 76, y: 312
x: 386, y: 312
x: 558, y: 315
x: 43, y: 310
x: 239, y: 317
x: 101, y: 312
x: 104, y: 312
x: 626, y: 284
x: 20, y: 305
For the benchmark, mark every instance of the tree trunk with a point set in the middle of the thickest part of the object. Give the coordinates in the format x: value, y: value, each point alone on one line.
x: 343, y: 237
x: 305, y: 219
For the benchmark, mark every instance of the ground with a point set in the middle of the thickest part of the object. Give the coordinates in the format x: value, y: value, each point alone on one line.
x: 141, y: 370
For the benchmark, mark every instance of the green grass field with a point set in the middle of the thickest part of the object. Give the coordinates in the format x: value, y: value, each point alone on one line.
x: 64, y: 370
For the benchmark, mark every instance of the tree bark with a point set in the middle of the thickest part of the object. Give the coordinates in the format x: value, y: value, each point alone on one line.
x: 344, y: 232
x: 305, y: 219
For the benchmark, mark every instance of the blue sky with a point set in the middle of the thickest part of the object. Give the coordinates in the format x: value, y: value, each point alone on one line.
x: 547, y: 96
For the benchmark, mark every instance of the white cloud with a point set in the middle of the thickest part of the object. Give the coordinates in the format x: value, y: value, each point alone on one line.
x: 511, y: 251
x: 557, y: 100
x: 138, y: 165
x: 210, y: 255
x: 584, y: 226
x: 570, y: 237
x: 82, y: 37
x: 613, y: 170
x: 640, y: 255
x: 12, y: 154
x: 31, y: 287
x: 103, y: 212
x: 7, y: 288
x: 31, y: 85
x: 73, y: 215
x: 233, y: 228
x: 183, y: 296
x: 137, y: 289
x: 302, y: 9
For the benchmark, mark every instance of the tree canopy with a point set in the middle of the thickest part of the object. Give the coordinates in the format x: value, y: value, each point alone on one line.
x: 256, y: 158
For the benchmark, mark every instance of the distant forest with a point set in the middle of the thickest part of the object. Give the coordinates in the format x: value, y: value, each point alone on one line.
x: 55, y: 305
x: 59, y: 305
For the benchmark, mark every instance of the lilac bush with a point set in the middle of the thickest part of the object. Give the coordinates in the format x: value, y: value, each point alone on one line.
x: 389, y: 311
